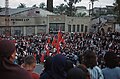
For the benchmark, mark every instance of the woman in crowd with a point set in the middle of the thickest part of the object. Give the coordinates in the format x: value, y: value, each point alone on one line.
x: 9, y: 70
x: 57, y: 70
x: 47, y: 67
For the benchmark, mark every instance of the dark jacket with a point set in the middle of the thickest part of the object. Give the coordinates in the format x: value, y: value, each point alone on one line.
x: 9, y: 70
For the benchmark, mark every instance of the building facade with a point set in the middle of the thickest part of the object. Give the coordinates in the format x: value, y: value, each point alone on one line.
x: 35, y: 20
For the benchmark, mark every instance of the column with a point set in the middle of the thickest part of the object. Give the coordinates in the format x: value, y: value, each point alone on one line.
x: 36, y: 31
x: 12, y: 30
x: 24, y: 31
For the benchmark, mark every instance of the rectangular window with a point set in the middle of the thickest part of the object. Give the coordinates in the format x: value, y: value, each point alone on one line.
x: 82, y: 27
x: 57, y: 26
x: 78, y: 28
x: 53, y: 27
x: 86, y: 27
x: 69, y: 28
x: 61, y: 26
x: 73, y: 28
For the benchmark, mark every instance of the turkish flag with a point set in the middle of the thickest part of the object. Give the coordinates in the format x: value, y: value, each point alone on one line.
x: 47, y: 49
x: 54, y: 41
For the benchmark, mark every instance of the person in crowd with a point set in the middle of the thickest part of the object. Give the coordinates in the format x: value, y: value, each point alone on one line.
x: 76, y: 73
x: 9, y: 70
x: 47, y: 66
x: 111, y: 71
x: 69, y: 65
x: 84, y: 68
x: 57, y: 68
x: 30, y: 64
x: 90, y: 61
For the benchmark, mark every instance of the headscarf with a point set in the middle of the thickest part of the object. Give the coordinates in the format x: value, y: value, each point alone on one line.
x: 47, y: 67
x: 58, y: 66
x: 69, y: 65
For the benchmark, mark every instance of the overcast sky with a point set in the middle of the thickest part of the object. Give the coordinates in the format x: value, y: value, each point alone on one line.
x: 29, y: 3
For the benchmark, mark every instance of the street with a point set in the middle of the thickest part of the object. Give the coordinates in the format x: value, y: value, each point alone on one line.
x: 39, y: 68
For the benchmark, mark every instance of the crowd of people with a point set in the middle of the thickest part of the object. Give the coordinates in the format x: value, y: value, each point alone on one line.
x: 80, y: 56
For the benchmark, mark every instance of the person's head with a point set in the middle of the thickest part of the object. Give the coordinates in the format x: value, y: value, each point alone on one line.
x: 69, y: 65
x: 89, y: 59
x: 59, y: 64
x: 29, y: 63
x: 76, y: 73
x: 7, y: 50
x: 111, y: 59
x: 48, y: 63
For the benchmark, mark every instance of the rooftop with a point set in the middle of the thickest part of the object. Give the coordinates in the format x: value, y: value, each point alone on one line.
x: 14, y: 11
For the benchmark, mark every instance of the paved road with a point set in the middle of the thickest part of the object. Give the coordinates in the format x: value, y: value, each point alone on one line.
x: 39, y: 68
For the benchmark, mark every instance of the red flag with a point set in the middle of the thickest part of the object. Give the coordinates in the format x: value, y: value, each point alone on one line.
x: 62, y: 40
x: 34, y: 55
x: 47, y: 50
x: 0, y: 38
x: 59, y: 41
x: 48, y: 41
x: 59, y: 35
x: 54, y: 41
x: 42, y: 58
x: 57, y: 46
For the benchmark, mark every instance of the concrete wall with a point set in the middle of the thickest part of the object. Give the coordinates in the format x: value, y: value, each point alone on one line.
x: 78, y: 21
x: 34, y: 25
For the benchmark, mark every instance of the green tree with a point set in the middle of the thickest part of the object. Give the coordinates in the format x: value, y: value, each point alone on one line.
x: 117, y: 9
x: 92, y: 1
x: 21, y: 5
x: 60, y: 9
x: 71, y: 8
x: 81, y: 14
x: 42, y: 5
x: 70, y: 11
x: 34, y: 5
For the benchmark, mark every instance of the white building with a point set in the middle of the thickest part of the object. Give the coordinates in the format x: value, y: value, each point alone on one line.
x: 28, y: 21
x: 82, y: 10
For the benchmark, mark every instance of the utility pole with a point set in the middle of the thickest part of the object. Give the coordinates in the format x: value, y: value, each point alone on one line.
x: 7, y: 28
x: 89, y: 8
x: 92, y: 7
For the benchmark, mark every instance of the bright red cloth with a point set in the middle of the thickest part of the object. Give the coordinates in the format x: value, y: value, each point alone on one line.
x: 35, y: 75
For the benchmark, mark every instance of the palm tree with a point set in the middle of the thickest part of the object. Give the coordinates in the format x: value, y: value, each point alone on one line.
x: 92, y: 1
x: 72, y: 1
x: 117, y: 9
x: 34, y: 5
x: 42, y: 5
x: 21, y: 5
x: 61, y: 8
x: 81, y: 14
x: 70, y: 4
